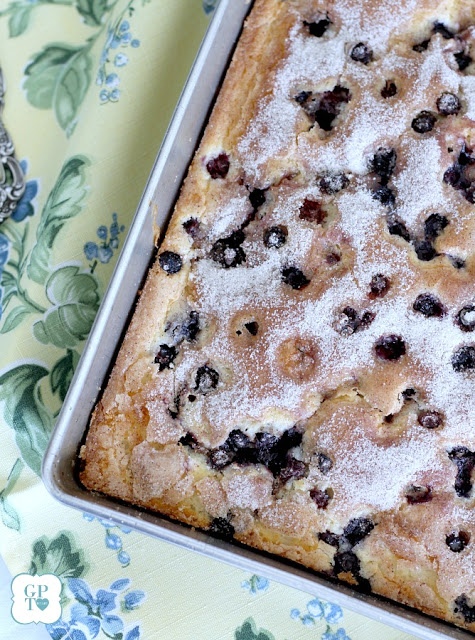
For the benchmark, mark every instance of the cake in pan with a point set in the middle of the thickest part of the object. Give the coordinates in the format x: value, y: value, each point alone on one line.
x: 299, y: 373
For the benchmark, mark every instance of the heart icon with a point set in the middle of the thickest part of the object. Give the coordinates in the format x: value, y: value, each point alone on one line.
x: 42, y: 603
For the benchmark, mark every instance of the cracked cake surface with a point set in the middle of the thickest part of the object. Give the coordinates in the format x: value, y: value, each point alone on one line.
x: 299, y: 373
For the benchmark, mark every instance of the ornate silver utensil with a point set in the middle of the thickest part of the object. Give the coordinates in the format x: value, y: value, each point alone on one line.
x: 12, y: 180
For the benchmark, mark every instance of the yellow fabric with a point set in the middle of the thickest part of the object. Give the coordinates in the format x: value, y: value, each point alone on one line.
x: 90, y: 89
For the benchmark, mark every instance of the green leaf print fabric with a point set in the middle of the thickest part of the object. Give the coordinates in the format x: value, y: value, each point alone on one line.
x: 65, y: 201
x: 91, y: 86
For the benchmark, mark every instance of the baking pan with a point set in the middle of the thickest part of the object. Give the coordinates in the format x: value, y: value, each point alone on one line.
x: 155, y: 208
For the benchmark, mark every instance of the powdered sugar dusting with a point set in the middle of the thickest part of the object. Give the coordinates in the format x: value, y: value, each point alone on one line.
x: 298, y: 356
x: 249, y: 286
x: 374, y: 476
x: 419, y: 184
x: 319, y: 64
x: 435, y: 69
x: 373, y: 123
x: 234, y: 210
x: 361, y: 217
x: 377, y: 25
x: 274, y: 128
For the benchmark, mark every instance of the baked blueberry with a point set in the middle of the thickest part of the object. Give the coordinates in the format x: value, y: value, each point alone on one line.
x: 346, y: 562
x: 463, y: 607
x: 361, y: 53
x: 434, y: 225
x: 390, y: 347
x: 448, y: 104
x: 320, y: 497
x: 294, y: 277
x: 348, y: 321
x: 333, y: 183
x: 251, y: 216
x: 170, y: 262
x: 430, y: 419
x: 257, y: 197
x: 218, y: 167
x: 465, y: 156
x: 221, y: 528
x: 465, y: 318
x: 384, y: 195
x: 189, y: 440
x: 236, y: 238
x: 329, y: 106
x: 324, y: 463
x: 417, y: 494
x: 444, y: 31
x: 265, y: 441
x: 312, y: 211
x: 398, y: 228
x: 192, y: 227
x: 456, y: 262
x: 469, y: 193
x: 364, y: 585
x: 465, y: 461
x: 366, y: 319
x: 463, y: 60
x: 228, y: 251
x: 453, y: 176
x: 457, y: 541
x: 174, y: 409
x: 186, y: 328
x: 206, y: 379
x: 252, y: 328
x: 329, y: 538
x: 424, y: 250
x: 273, y: 452
x: 421, y: 46
x: 275, y: 237
x: 238, y: 440
x: 290, y: 438
x: 389, y: 90
x: 457, y: 175
x: 383, y: 163
x: 191, y: 327
x: 318, y: 27
x: 463, y: 358
x: 302, y: 97
x: 379, y: 286
x: 429, y: 306
x: 332, y: 257
x: 265, y: 445
x: 220, y: 458
x: 165, y: 356
x: 357, y: 529
x: 423, y: 122
x: 293, y: 470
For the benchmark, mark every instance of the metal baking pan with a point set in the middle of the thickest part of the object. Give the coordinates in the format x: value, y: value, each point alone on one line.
x: 155, y: 208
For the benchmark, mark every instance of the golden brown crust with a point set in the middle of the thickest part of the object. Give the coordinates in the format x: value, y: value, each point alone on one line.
x: 305, y: 379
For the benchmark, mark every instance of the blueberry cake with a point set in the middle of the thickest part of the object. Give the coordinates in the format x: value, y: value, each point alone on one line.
x: 299, y: 374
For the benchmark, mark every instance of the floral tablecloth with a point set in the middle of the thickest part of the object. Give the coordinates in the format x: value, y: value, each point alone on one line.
x: 91, y: 85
